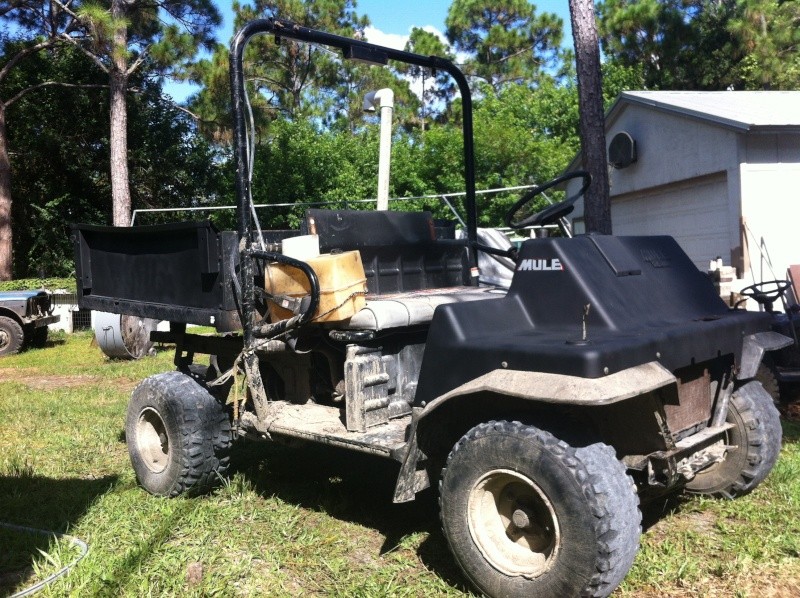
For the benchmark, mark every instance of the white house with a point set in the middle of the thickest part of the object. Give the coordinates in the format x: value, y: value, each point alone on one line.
x: 719, y: 171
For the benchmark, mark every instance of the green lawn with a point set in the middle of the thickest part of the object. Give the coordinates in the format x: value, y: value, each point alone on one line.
x: 299, y: 521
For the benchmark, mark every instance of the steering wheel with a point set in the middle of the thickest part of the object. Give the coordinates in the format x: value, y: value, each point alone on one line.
x: 765, y: 293
x: 552, y: 213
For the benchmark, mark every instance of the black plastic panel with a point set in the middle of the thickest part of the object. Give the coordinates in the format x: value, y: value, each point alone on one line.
x: 669, y: 312
x: 353, y: 229
x: 399, y: 250
x: 178, y: 272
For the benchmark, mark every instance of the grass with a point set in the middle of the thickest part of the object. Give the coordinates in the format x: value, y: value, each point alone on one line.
x: 299, y: 521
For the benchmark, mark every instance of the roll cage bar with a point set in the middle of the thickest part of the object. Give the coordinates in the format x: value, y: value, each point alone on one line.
x: 351, y: 49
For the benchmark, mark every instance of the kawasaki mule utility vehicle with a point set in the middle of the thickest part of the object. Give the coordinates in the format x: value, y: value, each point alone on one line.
x: 542, y: 414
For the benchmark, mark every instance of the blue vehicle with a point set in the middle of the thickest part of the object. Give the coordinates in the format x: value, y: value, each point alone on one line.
x: 24, y: 317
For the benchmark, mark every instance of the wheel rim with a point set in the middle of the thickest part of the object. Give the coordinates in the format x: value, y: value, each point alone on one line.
x: 513, y: 523
x: 5, y: 339
x: 152, y: 440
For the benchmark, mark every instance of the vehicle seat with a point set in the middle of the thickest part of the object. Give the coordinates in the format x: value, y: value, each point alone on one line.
x: 399, y: 250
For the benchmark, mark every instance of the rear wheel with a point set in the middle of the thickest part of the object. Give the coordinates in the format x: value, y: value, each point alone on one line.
x: 527, y: 514
x: 754, y: 443
x: 178, y: 435
x: 11, y: 336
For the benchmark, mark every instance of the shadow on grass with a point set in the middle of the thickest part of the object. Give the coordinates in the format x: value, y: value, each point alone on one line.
x: 351, y: 487
x: 791, y: 430
x: 661, y: 507
x: 40, y: 503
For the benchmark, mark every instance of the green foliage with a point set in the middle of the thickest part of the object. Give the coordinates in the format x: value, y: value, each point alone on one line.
x: 34, y: 284
x: 59, y: 158
x: 506, y: 40
x: 704, y: 44
x: 294, y: 76
x: 438, y: 89
x: 168, y: 32
x: 299, y: 164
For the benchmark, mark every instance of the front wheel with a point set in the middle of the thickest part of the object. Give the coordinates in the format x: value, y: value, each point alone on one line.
x: 526, y: 514
x: 11, y: 336
x: 178, y: 435
x: 753, y: 444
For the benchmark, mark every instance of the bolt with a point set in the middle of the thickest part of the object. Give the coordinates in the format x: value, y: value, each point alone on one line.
x: 521, y: 518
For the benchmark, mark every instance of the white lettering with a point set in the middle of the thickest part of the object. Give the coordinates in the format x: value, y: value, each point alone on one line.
x: 541, y: 265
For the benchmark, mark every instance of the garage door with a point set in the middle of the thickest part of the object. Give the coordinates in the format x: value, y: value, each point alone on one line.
x: 695, y: 213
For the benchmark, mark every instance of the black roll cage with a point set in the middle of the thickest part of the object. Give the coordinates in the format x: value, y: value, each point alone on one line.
x: 354, y: 49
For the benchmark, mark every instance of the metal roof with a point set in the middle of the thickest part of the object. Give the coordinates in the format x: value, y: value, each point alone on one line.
x: 742, y: 110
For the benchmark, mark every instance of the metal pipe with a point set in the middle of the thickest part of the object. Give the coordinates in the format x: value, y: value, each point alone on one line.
x: 385, y: 97
x: 352, y: 48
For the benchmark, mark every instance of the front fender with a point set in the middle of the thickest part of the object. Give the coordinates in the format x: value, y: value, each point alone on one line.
x: 560, y: 388
x: 753, y: 349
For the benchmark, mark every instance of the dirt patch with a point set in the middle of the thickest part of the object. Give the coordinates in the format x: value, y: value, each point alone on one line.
x: 35, y: 380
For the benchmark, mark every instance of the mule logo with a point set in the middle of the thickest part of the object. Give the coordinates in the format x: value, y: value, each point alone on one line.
x: 539, y: 265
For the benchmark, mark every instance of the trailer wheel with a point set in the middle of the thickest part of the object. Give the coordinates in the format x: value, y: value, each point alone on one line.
x: 11, y: 336
x: 526, y: 514
x: 754, y: 441
x: 178, y: 435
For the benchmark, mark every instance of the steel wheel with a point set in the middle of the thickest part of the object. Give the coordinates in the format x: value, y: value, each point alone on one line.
x: 178, y: 435
x: 526, y: 514
x: 152, y: 440
x: 513, y: 523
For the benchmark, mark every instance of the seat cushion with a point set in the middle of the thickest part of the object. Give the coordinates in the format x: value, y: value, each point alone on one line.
x: 414, y: 307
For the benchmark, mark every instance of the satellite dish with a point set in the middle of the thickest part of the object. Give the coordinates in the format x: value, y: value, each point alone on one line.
x: 622, y: 150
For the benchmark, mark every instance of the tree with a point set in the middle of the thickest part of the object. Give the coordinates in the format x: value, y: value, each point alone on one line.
x: 769, y: 33
x: 506, y: 40
x: 61, y: 170
x: 287, y: 72
x: 597, y: 204
x: 37, y: 25
x: 705, y: 44
x: 438, y: 88
x: 123, y: 37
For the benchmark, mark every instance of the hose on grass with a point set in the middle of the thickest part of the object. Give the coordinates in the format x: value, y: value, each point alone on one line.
x: 80, y: 544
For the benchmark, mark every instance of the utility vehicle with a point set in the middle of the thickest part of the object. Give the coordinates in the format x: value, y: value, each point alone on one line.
x: 779, y: 372
x: 608, y: 373
x: 24, y: 317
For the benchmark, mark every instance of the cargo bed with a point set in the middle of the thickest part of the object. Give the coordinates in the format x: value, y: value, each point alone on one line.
x: 180, y: 272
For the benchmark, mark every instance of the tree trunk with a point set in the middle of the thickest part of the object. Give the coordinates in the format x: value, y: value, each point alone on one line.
x: 118, y: 81
x: 597, y: 205
x: 6, y: 253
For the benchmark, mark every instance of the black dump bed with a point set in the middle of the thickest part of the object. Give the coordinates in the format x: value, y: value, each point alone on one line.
x: 647, y: 302
x: 178, y: 272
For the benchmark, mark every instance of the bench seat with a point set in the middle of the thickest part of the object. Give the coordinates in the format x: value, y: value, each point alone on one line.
x: 412, y: 308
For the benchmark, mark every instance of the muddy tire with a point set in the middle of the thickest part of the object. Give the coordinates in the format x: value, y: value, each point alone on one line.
x: 766, y: 376
x: 526, y: 514
x: 178, y: 436
x: 11, y: 336
x: 756, y: 441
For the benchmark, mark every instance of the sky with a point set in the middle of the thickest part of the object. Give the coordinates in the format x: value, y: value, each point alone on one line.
x: 391, y: 20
